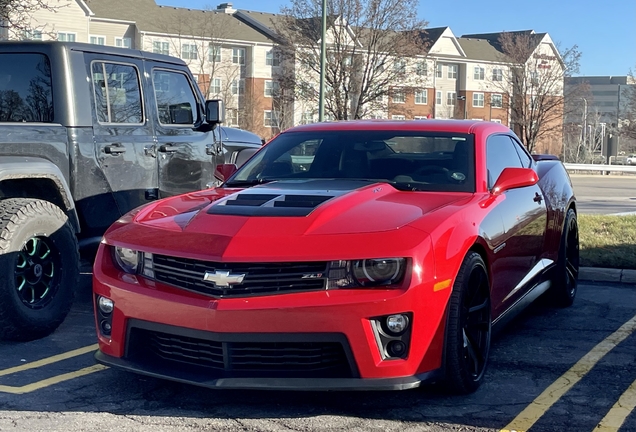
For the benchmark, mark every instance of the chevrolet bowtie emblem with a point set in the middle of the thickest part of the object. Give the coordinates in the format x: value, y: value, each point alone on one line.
x: 222, y: 278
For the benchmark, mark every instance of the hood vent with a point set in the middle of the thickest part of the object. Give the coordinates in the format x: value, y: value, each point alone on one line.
x: 250, y: 204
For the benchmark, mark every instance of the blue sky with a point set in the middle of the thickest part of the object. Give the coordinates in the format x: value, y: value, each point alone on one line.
x: 604, y: 31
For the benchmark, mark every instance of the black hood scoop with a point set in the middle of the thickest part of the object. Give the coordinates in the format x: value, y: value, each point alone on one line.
x: 284, y: 198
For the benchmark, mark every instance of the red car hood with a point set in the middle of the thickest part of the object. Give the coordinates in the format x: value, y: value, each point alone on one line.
x: 283, y: 219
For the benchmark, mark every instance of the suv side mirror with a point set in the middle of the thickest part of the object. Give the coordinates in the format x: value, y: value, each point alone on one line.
x: 512, y: 178
x: 225, y: 171
x: 214, y: 111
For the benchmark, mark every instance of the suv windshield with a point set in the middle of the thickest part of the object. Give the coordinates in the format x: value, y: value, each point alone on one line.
x: 409, y: 160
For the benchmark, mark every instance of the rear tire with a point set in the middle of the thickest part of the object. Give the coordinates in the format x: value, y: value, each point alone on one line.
x: 566, y: 271
x: 469, y: 327
x: 39, y: 260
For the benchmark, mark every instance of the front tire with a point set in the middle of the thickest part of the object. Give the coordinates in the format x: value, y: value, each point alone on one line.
x: 39, y: 259
x: 566, y: 271
x: 469, y: 327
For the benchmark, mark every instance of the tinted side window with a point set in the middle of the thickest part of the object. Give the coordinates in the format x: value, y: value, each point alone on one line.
x: 176, y: 102
x: 117, y: 93
x: 526, y: 160
x: 500, y: 154
x: 25, y: 88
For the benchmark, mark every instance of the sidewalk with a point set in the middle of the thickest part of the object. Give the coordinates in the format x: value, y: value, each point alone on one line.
x: 607, y: 275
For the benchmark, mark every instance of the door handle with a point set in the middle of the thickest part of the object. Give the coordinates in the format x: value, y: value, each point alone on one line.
x: 168, y: 148
x: 149, y: 150
x: 537, y: 198
x: 114, y: 149
x: 211, y: 150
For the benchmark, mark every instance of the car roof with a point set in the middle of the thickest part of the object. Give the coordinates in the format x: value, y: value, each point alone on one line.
x: 456, y: 126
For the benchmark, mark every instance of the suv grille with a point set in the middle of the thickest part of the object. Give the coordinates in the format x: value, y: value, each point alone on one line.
x: 263, y: 278
x: 239, y: 359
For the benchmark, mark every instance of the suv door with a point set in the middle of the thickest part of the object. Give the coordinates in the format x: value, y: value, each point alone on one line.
x: 123, y: 135
x: 524, y: 216
x: 187, y: 157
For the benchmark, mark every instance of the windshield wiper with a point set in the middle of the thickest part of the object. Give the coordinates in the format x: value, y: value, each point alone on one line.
x: 247, y: 183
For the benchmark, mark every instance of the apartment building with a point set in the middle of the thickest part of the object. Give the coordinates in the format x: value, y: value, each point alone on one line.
x: 233, y: 55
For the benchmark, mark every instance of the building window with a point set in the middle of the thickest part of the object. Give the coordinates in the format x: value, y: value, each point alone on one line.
x: 159, y: 47
x: 123, y: 42
x: 421, y: 68
x: 270, y: 119
x: 497, y: 75
x: 496, y: 121
x: 479, y: 73
x: 189, y: 52
x: 32, y: 35
x: 398, y: 117
x: 66, y: 37
x: 438, y: 97
x: 399, y: 66
x: 450, y: 98
x: 452, y: 71
x: 238, y: 56
x: 272, y: 58
x: 272, y: 88
x: 214, y: 53
x: 97, y: 40
x: 438, y: 71
x: 478, y: 100
x: 232, y: 117
x: 534, y: 78
x: 215, y: 86
x: 238, y: 87
x: 398, y: 96
x: 307, y: 117
x: 421, y: 97
x: 421, y: 118
x: 496, y: 100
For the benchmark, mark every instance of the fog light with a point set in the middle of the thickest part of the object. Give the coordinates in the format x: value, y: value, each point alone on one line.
x: 106, y: 327
x: 396, y: 348
x: 106, y: 305
x: 396, y: 324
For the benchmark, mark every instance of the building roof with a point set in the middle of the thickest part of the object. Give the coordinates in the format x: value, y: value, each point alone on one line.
x: 150, y: 17
x: 481, y: 49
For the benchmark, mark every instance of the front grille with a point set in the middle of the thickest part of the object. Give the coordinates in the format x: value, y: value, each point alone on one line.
x: 260, y: 278
x: 238, y: 359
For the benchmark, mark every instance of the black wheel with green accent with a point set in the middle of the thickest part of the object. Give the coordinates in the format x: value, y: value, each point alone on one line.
x: 566, y: 271
x: 469, y: 327
x: 39, y: 255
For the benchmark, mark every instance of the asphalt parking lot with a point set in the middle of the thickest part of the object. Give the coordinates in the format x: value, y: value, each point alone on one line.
x: 551, y: 370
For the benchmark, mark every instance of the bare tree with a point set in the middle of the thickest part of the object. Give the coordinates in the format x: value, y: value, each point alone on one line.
x: 369, y: 45
x: 534, y: 87
x: 15, y: 15
x: 627, y: 114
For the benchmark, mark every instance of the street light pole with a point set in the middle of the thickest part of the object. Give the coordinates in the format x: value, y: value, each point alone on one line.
x: 323, y: 61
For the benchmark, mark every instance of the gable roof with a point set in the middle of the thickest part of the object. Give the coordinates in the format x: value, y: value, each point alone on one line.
x: 150, y: 17
x: 481, y: 49
x: 493, y: 38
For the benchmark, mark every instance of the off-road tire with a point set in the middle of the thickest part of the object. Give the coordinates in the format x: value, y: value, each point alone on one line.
x: 39, y: 261
x: 566, y: 271
x: 462, y: 377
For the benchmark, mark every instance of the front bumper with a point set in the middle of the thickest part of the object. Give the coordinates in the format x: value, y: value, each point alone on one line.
x: 286, y: 318
x: 259, y: 383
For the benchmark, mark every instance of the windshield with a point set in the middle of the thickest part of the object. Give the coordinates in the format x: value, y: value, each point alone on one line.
x: 409, y: 160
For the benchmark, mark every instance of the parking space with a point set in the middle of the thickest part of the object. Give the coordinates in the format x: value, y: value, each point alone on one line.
x: 551, y: 369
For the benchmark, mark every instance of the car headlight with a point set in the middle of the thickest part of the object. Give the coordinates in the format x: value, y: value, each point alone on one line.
x: 366, y: 273
x: 127, y: 259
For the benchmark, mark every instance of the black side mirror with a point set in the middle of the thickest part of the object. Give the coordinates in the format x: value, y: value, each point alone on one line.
x: 214, y: 111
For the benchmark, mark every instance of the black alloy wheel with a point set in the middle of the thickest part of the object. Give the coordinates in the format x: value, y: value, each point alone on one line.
x: 37, y: 272
x: 566, y: 272
x: 469, y: 327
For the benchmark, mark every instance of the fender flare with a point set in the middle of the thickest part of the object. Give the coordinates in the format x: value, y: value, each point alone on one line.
x: 29, y: 167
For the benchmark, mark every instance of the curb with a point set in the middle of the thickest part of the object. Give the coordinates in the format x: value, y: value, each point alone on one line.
x: 607, y: 275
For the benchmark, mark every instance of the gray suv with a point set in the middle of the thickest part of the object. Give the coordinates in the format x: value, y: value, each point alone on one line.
x: 87, y: 133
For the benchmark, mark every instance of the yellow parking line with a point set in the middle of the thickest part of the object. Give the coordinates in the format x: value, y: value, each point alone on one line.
x: 53, y: 380
x: 619, y: 412
x: 49, y: 360
x: 565, y: 382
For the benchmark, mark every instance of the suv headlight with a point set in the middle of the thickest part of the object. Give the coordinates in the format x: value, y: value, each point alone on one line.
x: 127, y: 259
x: 366, y: 273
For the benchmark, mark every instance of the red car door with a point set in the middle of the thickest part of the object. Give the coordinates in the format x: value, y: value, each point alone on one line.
x: 523, y: 215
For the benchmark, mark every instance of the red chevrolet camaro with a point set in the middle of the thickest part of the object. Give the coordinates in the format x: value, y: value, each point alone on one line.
x: 341, y: 256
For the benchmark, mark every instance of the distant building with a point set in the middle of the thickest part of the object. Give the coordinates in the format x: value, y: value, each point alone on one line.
x: 607, y: 96
x: 232, y: 54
